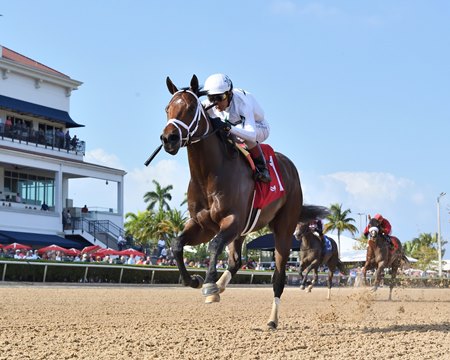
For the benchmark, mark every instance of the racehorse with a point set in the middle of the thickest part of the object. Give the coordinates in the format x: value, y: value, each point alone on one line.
x: 313, y: 254
x: 220, y: 196
x: 380, y: 256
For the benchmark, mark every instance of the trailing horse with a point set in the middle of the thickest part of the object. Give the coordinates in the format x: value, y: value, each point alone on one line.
x: 380, y: 256
x: 220, y: 197
x: 313, y: 254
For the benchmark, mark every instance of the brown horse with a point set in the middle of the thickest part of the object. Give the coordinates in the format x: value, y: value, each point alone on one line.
x: 313, y: 254
x: 220, y: 196
x: 380, y: 256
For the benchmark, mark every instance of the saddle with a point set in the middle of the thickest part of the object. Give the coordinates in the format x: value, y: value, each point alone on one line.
x: 264, y: 193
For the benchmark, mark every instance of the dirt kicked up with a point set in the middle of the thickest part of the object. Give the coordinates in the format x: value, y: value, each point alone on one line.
x: 137, y: 322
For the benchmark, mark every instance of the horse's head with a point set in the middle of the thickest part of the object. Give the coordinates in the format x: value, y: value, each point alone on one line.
x: 374, y: 228
x: 184, y: 117
x: 300, y: 230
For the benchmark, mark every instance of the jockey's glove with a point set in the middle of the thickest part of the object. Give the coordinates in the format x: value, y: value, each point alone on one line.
x: 217, y: 123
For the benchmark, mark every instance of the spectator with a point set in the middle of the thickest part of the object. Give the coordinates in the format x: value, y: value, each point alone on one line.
x: 84, y: 209
x: 44, y: 207
x: 163, y: 254
x: 64, y: 220
x: 121, y: 243
x: 59, y: 138
x: 67, y: 137
x: 131, y: 260
x: 74, y: 142
x: 161, y: 245
x: 18, y: 198
x: 68, y: 219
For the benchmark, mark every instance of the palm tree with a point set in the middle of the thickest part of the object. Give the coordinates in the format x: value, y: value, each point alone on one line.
x: 139, y: 226
x: 160, y: 196
x: 338, y: 220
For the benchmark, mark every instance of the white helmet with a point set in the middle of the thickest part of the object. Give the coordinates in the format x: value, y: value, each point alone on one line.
x: 218, y: 84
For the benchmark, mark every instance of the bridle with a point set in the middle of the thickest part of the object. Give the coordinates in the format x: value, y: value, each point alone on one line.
x: 193, y: 127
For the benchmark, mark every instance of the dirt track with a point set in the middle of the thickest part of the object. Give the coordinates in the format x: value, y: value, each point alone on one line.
x: 85, y: 322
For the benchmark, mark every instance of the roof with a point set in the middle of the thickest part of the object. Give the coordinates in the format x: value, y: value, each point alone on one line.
x: 27, y: 108
x: 23, y: 60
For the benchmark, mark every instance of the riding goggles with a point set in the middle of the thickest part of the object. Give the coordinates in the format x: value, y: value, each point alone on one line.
x: 217, y: 98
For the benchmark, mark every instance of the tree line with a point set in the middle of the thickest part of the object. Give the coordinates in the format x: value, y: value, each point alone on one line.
x: 159, y: 220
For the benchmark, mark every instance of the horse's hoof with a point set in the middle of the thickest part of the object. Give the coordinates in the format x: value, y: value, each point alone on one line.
x: 212, y: 299
x: 196, y: 281
x: 302, y: 287
x: 271, y: 325
x: 373, y: 289
x: 210, y: 289
x: 309, y: 288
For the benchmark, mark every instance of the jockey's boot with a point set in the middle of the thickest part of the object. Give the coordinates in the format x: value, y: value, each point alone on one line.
x: 262, y: 172
x: 389, y: 242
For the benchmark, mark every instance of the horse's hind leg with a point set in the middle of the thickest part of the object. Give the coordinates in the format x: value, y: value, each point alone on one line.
x: 279, y: 278
x: 329, y: 283
x: 395, y: 267
x: 234, y: 263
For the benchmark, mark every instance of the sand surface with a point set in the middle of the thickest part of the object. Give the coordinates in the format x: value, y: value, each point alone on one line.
x: 148, y: 322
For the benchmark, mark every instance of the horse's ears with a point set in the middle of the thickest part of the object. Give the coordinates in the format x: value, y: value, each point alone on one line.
x: 369, y: 217
x: 170, y: 85
x: 194, y: 84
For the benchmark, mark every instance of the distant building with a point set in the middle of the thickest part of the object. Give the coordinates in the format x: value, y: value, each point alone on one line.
x: 38, y: 160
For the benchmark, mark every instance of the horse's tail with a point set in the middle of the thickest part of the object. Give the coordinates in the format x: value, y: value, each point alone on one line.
x: 311, y: 212
x: 404, y: 261
x: 340, y: 265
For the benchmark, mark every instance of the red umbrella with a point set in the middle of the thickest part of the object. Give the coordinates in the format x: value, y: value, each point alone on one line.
x: 52, y: 248
x: 89, y: 249
x: 17, y: 246
x: 129, y: 252
x: 108, y: 251
x: 73, y: 252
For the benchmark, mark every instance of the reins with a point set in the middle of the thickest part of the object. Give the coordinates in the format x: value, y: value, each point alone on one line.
x: 193, y: 127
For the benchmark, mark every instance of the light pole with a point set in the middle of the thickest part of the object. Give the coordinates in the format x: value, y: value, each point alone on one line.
x: 360, y: 226
x: 439, y: 233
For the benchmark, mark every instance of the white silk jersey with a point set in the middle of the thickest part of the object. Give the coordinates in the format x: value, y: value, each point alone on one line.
x: 246, y: 116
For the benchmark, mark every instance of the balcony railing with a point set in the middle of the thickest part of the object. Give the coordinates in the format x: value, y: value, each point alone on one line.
x: 41, y: 138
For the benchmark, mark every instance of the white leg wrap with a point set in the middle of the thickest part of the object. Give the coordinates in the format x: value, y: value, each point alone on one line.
x: 224, y: 280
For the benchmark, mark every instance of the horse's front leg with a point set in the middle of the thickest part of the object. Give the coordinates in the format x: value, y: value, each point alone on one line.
x: 216, y: 246
x: 300, y: 272
x: 234, y: 263
x: 377, y: 275
x: 192, y: 234
x: 311, y: 266
x: 315, y: 279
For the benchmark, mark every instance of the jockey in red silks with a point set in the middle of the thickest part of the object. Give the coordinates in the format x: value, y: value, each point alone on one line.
x: 385, y: 228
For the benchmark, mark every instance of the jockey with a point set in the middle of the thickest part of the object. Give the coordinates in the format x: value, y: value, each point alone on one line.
x: 239, y: 109
x: 385, y: 228
x: 316, y: 226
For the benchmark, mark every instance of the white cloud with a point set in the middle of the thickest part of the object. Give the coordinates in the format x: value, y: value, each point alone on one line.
x: 167, y: 172
x: 97, y: 195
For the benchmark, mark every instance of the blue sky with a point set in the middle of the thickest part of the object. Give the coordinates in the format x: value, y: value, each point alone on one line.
x: 356, y: 93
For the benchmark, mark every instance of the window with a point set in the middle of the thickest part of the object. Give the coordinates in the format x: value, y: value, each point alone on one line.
x: 34, y: 190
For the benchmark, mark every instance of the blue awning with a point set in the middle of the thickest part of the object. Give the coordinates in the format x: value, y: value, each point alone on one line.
x: 267, y: 242
x: 37, y: 240
x: 27, y: 108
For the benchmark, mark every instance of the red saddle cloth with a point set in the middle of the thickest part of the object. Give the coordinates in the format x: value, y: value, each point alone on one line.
x: 268, y: 192
x: 395, y: 242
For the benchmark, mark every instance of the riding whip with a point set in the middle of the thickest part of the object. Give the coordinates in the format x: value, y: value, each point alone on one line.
x: 152, y: 156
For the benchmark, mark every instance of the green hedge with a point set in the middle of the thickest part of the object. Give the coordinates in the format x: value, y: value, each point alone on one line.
x: 33, y: 271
